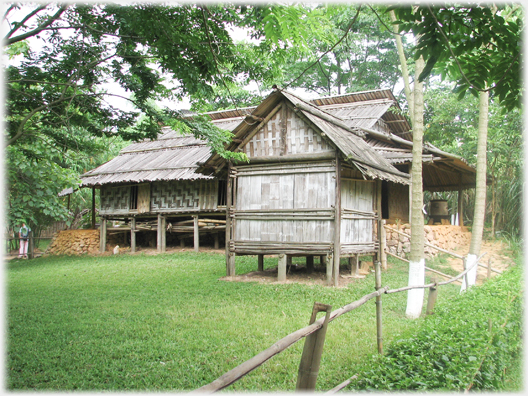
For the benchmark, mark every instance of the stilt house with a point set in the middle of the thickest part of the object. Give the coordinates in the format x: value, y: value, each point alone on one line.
x: 321, y: 176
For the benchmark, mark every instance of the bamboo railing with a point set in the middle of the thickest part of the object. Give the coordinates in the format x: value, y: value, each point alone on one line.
x: 307, y: 382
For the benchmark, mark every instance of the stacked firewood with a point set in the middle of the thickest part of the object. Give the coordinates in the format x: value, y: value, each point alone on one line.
x: 446, y: 237
x: 74, y: 242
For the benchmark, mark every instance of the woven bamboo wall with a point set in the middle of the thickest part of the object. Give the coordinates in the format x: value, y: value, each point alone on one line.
x: 184, y: 195
x: 300, y: 137
x: 115, y: 199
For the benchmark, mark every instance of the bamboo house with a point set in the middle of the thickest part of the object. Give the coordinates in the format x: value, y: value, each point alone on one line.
x: 321, y: 176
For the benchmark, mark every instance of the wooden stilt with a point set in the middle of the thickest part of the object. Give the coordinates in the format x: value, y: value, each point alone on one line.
x: 309, y: 264
x: 102, y: 235
x: 133, y: 235
x: 281, y: 273
x: 260, y: 262
x: 93, y: 208
x: 196, y: 235
x: 182, y: 242
x: 231, y: 269
x: 337, y: 223
x: 329, y: 266
x: 216, y: 241
x: 354, y: 268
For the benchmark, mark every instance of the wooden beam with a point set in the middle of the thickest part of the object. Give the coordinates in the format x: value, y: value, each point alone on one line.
x: 260, y: 265
x: 309, y: 264
x: 228, y: 230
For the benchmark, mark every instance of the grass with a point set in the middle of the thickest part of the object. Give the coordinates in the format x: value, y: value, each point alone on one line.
x: 166, y: 322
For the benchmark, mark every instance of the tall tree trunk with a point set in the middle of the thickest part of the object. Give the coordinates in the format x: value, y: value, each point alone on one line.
x: 480, y: 192
x: 416, y: 261
x: 403, y: 64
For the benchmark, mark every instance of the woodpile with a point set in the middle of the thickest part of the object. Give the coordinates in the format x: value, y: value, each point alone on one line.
x: 74, y: 243
x: 447, y: 237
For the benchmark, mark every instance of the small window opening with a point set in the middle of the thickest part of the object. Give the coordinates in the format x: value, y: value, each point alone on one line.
x: 133, y: 197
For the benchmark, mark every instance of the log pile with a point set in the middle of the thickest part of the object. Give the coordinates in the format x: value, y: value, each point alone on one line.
x: 74, y: 243
x: 447, y: 237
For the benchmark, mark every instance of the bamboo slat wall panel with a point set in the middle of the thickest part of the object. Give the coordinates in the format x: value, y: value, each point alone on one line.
x: 358, y: 198
x: 115, y: 199
x: 300, y: 138
x: 208, y: 194
x: 143, y: 204
x: 398, y: 202
x: 285, y: 207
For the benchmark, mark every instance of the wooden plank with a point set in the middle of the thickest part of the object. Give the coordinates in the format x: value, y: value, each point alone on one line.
x: 133, y: 235
x: 337, y: 222
x: 102, y: 235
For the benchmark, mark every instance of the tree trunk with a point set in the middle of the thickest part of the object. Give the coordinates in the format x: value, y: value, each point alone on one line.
x: 404, y: 70
x: 480, y: 192
x: 417, y: 263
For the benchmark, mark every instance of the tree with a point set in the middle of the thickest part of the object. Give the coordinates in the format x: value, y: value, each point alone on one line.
x: 479, y: 47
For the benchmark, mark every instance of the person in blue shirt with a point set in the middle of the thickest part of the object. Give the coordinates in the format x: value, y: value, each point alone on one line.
x: 23, y: 234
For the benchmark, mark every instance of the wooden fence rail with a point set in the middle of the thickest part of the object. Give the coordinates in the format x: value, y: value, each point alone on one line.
x: 245, y: 368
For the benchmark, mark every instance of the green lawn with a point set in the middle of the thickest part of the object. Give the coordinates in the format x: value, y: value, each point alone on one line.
x: 167, y: 322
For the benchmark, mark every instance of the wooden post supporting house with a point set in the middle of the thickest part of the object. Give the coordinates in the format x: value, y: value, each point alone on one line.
x: 102, y: 235
x: 337, y: 223
x: 353, y: 261
x: 230, y: 257
x: 162, y: 234
x: 93, y: 208
x: 196, y: 234
x: 281, y: 271
x: 133, y: 235
x: 309, y: 264
x: 460, y: 204
x: 379, y: 327
x: 260, y: 262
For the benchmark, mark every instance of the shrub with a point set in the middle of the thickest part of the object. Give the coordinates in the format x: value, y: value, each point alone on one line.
x: 468, y: 343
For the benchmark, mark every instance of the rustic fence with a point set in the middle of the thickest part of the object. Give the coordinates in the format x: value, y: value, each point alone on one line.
x: 12, y: 245
x: 315, y: 333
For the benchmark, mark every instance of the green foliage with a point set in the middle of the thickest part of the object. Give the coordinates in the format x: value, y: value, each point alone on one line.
x: 477, y: 46
x: 455, y: 348
x: 452, y: 125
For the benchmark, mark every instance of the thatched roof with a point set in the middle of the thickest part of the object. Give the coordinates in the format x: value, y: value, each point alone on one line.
x: 170, y: 157
x: 367, y: 127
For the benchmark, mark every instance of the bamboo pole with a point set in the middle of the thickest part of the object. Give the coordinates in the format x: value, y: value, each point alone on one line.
x: 256, y: 361
x: 431, y: 300
x: 230, y: 263
x: 426, y: 268
x: 379, y: 328
x: 383, y: 245
x: 341, y: 386
x: 93, y: 208
x: 313, y: 351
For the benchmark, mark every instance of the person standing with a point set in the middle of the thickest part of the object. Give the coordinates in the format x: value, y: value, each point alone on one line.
x: 23, y: 234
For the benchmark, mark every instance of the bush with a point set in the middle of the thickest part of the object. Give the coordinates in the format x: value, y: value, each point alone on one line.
x: 468, y: 343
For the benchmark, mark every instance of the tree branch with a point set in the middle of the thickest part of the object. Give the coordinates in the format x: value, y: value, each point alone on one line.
x: 18, y: 25
x: 38, y: 29
x: 335, y: 45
